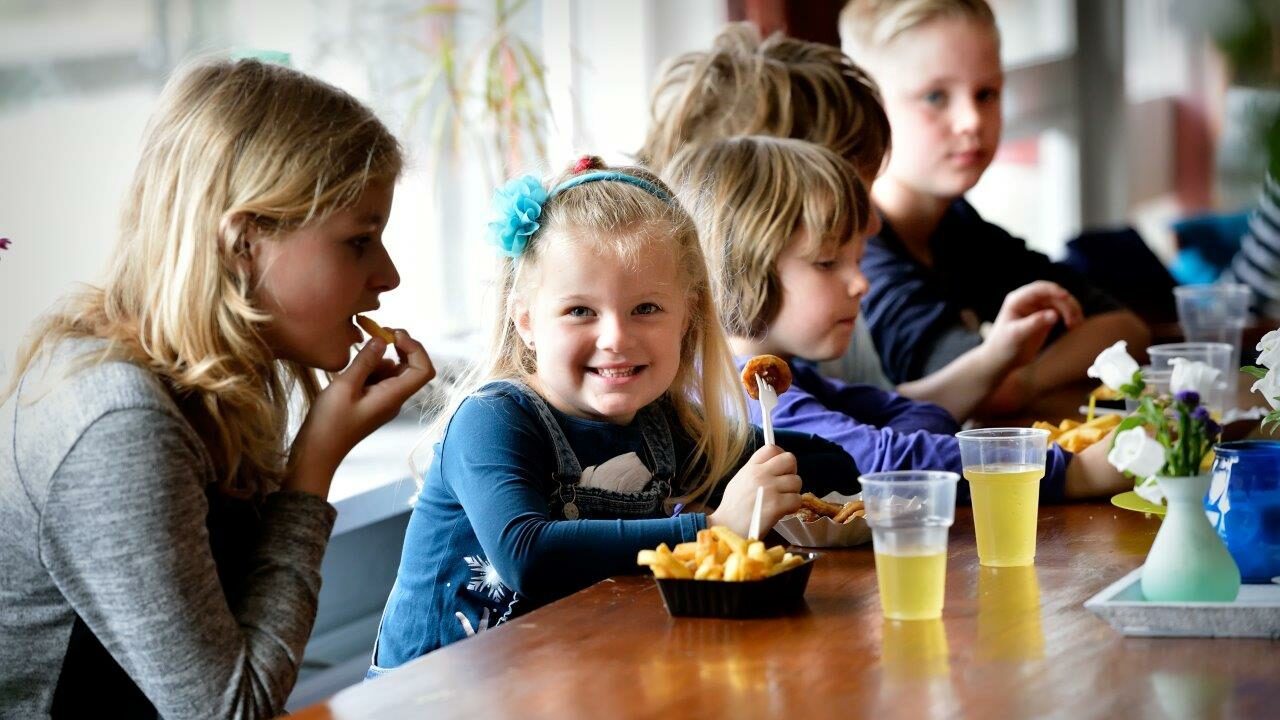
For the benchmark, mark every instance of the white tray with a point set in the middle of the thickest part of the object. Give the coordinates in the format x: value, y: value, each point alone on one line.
x: 1255, y: 612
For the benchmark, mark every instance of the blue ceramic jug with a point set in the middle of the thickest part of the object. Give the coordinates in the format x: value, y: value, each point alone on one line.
x: 1244, y: 505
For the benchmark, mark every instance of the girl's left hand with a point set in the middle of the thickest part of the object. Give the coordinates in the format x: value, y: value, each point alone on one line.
x: 359, y: 400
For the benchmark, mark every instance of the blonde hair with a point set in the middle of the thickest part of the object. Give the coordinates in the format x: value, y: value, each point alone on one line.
x: 781, y: 86
x: 869, y: 25
x: 749, y: 196
x: 620, y: 218
x: 230, y: 144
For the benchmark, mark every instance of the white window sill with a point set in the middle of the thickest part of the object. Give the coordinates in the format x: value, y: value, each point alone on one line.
x: 375, y: 482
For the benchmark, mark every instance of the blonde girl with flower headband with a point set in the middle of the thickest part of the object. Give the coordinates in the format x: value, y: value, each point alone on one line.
x: 162, y: 539
x: 607, y: 419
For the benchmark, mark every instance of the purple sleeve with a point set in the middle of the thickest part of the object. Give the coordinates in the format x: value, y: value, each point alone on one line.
x: 913, y: 438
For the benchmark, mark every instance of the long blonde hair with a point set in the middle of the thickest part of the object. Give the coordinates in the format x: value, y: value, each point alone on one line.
x: 780, y: 86
x: 231, y: 143
x: 620, y: 218
x: 749, y: 195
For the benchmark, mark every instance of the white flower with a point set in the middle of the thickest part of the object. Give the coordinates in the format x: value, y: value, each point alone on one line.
x: 1269, y: 386
x: 1150, y: 491
x: 1136, y: 453
x: 1269, y: 350
x: 1194, y: 376
x: 1113, y: 366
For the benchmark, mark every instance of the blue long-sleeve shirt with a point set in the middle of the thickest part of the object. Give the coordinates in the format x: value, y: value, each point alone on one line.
x: 883, y: 430
x: 487, y: 539
x: 915, y: 311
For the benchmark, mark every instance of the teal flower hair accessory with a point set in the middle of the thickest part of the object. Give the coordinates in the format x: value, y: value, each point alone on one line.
x: 518, y: 206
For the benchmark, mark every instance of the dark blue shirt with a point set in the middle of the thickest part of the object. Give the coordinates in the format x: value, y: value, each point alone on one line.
x: 909, y: 307
x: 489, y: 538
x: 883, y: 430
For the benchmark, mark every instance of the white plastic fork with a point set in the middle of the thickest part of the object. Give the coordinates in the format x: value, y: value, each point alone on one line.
x: 754, y: 532
x: 768, y: 401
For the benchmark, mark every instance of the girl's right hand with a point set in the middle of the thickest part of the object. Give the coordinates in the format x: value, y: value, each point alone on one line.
x: 359, y: 400
x: 772, y: 469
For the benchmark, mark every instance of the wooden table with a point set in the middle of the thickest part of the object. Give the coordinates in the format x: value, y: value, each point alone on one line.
x: 1011, y: 643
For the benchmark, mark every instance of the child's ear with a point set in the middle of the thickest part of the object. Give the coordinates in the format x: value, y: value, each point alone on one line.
x: 523, y: 322
x: 240, y: 239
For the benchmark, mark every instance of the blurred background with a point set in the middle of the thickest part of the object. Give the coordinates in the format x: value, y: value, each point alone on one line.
x: 1118, y: 112
x: 1137, y: 112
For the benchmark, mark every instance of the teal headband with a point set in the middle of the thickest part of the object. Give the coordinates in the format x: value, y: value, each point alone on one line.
x: 518, y: 205
x: 641, y: 183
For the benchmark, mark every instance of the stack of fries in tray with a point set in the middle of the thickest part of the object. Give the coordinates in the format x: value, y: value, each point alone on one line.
x: 1075, y: 436
x: 719, y: 554
x: 755, y: 581
x: 832, y: 521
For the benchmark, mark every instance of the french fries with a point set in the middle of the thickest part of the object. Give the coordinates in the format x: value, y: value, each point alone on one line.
x: 1075, y: 436
x: 812, y: 507
x: 375, y: 330
x: 718, y: 554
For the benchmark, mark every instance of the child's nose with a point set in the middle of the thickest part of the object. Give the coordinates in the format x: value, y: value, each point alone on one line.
x: 966, y: 115
x: 858, y: 284
x: 385, y: 276
x: 613, y: 333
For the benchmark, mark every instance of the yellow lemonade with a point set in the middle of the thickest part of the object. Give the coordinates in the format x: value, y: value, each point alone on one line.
x: 1005, y: 500
x: 911, y: 586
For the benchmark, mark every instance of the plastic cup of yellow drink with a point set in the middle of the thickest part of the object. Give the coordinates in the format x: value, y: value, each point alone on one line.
x: 909, y: 513
x: 1004, y: 467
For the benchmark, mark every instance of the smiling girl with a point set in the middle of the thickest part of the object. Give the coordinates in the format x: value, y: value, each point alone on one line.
x: 609, y: 403
x: 160, y: 539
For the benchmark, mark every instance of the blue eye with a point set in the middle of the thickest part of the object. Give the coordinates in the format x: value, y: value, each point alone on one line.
x: 579, y: 311
x: 647, y: 309
x: 936, y: 97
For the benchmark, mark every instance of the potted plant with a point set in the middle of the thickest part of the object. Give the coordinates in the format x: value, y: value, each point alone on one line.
x: 1165, y: 444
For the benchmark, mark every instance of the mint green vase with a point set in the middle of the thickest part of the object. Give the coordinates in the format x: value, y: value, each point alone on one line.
x: 1188, y: 562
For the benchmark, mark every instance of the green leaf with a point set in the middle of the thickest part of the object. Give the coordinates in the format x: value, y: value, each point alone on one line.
x: 1257, y: 373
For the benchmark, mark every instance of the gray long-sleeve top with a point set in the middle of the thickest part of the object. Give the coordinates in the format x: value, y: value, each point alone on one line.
x: 125, y: 581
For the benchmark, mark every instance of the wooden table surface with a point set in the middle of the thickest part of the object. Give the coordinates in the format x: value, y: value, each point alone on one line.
x: 1011, y: 643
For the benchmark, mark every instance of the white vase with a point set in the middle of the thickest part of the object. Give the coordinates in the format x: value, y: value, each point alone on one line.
x: 1188, y: 562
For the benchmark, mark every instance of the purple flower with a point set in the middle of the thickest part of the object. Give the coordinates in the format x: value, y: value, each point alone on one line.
x: 1188, y: 397
x: 1200, y: 414
x: 1212, y: 429
x: 5, y: 243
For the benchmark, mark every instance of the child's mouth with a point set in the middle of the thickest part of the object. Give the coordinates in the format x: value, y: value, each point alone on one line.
x: 617, y: 373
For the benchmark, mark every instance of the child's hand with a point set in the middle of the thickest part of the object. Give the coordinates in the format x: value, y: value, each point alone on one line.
x: 1026, y: 316
x: 774, y: 470
x: 1090, y: 474
x: 359, y: 400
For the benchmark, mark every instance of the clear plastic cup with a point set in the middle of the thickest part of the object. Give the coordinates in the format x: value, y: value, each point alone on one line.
x: 1214, y: 354
x: 909, y: 513
x: 1157, y: 383
x: 1213, y: 313
x: 1004, y: 467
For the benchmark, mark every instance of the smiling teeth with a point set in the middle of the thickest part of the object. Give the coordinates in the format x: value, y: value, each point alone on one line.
x: 617, y: 372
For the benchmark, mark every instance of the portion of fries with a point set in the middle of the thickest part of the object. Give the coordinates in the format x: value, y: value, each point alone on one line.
x: 1075, y: 436
x: 813, y: 507
x: 718, y: 554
